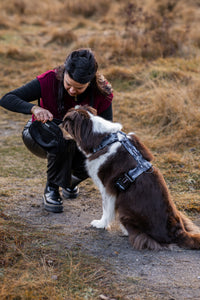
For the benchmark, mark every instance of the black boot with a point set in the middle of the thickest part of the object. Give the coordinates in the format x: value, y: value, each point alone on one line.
x: 52, y: 199
x: 73, y: 191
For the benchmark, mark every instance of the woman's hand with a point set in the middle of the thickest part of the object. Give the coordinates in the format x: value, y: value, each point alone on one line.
x: 41, y: 114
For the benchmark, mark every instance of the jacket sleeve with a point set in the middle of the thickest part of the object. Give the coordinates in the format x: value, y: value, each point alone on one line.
x: 18, y: 99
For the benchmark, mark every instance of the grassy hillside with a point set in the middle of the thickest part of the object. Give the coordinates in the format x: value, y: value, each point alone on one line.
x: 150, y: 51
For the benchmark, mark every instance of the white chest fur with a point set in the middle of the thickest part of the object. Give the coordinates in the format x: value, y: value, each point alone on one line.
x: 93, y: 165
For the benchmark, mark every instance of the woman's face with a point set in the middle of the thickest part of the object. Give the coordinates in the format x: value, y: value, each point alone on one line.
x: 74, y: 88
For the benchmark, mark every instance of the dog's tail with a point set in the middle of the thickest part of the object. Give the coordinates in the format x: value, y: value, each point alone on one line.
x: 189, y: 237
x: 188, y: 224
x: 140, y: 240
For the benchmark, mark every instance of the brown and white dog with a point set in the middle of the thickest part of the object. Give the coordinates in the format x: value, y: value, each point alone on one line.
x: 146, y: 210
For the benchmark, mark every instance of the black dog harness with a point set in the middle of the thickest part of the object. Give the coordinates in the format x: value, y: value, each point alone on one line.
x: 142, y: 164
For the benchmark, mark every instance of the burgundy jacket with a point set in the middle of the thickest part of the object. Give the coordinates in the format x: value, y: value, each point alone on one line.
x: 45, y: 88
x: 49, y: 90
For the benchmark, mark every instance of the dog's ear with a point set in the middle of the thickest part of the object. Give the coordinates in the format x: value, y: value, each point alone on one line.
x: 68, y: 120
x: 70, y: 116
x: 75, y: 122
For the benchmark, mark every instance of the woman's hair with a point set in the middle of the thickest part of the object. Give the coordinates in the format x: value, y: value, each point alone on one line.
x: 81, y: 65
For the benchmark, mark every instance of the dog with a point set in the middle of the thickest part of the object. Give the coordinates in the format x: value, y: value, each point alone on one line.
x: 146, y: 211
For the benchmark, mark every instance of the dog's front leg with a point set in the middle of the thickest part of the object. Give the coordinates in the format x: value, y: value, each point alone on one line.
x: 108, y: 212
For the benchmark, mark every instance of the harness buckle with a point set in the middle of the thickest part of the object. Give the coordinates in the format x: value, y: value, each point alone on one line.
x: 123, y: 182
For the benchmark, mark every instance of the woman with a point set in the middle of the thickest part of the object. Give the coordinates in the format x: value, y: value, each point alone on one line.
x: 75, y: 82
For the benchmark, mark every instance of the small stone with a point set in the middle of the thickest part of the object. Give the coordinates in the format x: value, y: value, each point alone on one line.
x: 54, y: 277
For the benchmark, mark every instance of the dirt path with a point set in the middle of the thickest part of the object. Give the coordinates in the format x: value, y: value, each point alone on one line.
x: 141, y: 274
x: 149, y: 275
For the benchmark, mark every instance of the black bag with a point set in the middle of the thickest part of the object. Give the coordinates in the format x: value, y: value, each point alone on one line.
x: 48, y: 135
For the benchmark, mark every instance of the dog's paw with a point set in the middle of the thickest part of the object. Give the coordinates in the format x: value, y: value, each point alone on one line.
x: 98, y: 223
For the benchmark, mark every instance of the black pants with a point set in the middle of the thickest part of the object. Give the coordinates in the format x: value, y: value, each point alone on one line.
x: 60, y: 166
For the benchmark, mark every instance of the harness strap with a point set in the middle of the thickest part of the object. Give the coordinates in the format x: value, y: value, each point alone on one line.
x: 125, y: 181
x: 110, y: 139
x: 142, y: 164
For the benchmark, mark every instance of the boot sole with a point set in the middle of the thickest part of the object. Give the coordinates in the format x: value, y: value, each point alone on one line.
x: 52, y: 207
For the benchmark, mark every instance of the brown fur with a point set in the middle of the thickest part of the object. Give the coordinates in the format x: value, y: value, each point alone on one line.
x: 145, y: 209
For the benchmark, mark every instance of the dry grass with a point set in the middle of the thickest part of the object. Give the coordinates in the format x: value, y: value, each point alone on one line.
x: 62, y: 37
x: 150, y: 53
x: 30, y: 267
x: 172, y: 112
x: 86, y: 8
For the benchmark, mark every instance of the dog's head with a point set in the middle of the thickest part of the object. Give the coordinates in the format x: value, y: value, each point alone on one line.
x: 84, y: 126
x: 74, y: 119
x: 77, y: 124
